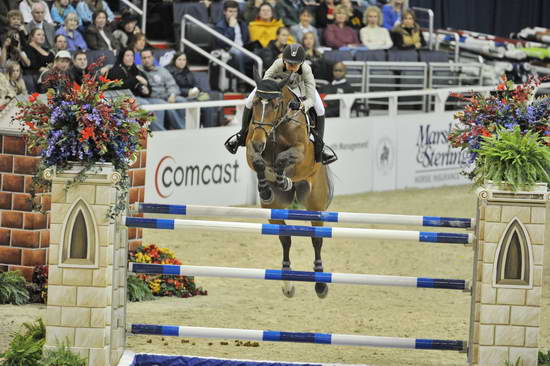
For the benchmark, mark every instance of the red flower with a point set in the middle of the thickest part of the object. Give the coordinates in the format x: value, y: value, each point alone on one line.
x: 33, y: 97
x: 87, y: 133
x: 103, y: 79
x: 30, y: 125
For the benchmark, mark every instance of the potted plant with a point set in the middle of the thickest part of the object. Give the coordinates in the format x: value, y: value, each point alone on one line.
x: 507, y: 135
x: 78, y: 126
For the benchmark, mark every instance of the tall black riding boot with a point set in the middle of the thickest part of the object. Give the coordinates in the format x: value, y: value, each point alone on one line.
x: 322, y: 156
x: 239, y: 139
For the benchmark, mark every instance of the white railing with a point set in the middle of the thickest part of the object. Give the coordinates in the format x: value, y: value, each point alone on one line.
x: 456, y: 38
x: 430, y: 24
x: 221, y: 37
x: 141, y: 12
x: 192, y: 109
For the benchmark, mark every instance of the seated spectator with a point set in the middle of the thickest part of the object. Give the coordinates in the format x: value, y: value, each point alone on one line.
x: 355, y: 18
x: 314, y: 58
x: 25, y: 7
x: 235, y: 30
x: 252, y: 8
x: 12, y: 50
x: 126, y: 29
x: 339, y: 34
x: 11, y: 82
x: 39, y: 56
x: 132, y: 78
x: 373, y: 36
x: 338, y: 85
x: 87, y: 8
x: 58, y: 72
x: 163, y: 90
x: 264, y: 28
x: 75, y: 41
x: 15, y: 24
x: 289, y: 10
x: 408, y: 34
x: 275, y: 47
x: 137, y: 44
x: 189, y: 87
x: 298, y: 30
x: 98, y: 36
x: 79, y: 66
x: 325, y: 13
x: 37, y: 21
x: 392, y: 13
x: 60, y: 44
x: 60, y: 10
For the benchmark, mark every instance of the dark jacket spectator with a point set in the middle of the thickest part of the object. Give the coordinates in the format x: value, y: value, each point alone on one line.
x: 338, y: 85
x: 132, y: 78
x: 98, y: 36
x: 229, y: 30
x: 289, y: 10
x: 79, y: 66
x: 408, y: 34
x: 126, y: 29
x: 39, y: 56
x: 325, y: 13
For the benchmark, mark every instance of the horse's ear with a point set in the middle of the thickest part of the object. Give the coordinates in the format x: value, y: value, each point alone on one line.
x: 283, y: 82
x: 256, y: 75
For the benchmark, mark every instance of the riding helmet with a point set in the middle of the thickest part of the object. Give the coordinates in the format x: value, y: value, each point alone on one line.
x: 294, y: 54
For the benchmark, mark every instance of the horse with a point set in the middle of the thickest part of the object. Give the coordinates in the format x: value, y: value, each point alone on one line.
x: 279, y: 150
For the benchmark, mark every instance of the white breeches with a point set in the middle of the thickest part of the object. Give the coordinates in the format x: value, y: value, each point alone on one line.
x: 319, y: 107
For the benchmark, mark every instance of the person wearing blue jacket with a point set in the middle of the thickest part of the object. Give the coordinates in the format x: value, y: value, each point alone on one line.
x: 392, y: 13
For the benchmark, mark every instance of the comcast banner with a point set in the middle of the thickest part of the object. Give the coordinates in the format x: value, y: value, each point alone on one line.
x: 193, y: 167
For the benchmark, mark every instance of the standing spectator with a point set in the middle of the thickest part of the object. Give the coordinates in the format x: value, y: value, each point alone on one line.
x: 87, y: 8
x: 38, y: 22
x: 78, y: 68
x: 126, y: 29
x: 25, y: 7
x: 298, y: 30
x: 264, y: 29
x: 75, y: 41
x: 60, y: 44
x: 235, y: 30
x: 60, y: 10
x: 11, y: 82
x: 189, y: 87
x: 373, y: 36
x: 50, y: 77
x: 339, y: 34
x: 338, y: 85
x: 289, y: 10
x: 12, y: 50
x: 408, y: 34
x: 314, y: 58
x: 392, y: 13
x: 325, y: 14
x: 98, y: 36
x: 355, y: 18
x: 163, y: 90
x: 39, y: 56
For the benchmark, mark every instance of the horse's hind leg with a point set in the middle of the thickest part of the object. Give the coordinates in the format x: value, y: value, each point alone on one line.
x: 321, y: 288
x: 286, y: 241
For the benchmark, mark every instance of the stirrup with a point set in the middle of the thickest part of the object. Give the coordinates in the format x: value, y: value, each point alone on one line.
x: 328, y: 158
x: 232, y: 143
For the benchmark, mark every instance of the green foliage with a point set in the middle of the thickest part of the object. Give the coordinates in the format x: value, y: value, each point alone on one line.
x: 512, y: 157
x: 26, y: 349
x: 138, y: 290
x: 13, y: 288
x: 519, y: 362
x: 61, y: 356
x: 544, y: 358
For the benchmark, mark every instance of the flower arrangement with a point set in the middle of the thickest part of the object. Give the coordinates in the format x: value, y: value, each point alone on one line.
x: 507, y: 135
x: 80, y: 125
x: 164, y: 285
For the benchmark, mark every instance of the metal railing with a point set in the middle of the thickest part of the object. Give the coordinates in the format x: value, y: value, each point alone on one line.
x: 456, y: 38
x: 140, y: 12
x: 221, y: 37
x: 430, y: 24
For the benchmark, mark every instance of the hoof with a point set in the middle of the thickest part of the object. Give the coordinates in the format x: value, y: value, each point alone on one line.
x: 266, y: 195
x: 321, y: 289
x: 288, y: 291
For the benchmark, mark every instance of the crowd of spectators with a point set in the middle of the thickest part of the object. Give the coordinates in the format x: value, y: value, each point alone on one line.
x: 36, y: 37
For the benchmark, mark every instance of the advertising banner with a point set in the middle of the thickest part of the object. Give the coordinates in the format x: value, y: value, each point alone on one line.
x: 193, y: 167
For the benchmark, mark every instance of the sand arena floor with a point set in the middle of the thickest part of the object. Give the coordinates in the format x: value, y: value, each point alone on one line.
x: 366, y: 310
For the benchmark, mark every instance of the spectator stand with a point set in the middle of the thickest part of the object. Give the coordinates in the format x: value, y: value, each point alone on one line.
x: 425, y: 18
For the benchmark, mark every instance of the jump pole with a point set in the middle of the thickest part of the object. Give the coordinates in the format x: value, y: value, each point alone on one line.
x: 297, y: 230
x: 284, y: 214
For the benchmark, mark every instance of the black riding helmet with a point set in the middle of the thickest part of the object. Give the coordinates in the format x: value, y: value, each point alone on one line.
x: 294, y: 54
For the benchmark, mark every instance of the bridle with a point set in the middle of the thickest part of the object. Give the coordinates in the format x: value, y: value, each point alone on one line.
x: 279, y: 121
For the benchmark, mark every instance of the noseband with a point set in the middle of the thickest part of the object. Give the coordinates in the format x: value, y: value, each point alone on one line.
x: 284, y: 118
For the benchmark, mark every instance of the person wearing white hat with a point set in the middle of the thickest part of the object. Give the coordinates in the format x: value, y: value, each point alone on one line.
x: 61, y: 65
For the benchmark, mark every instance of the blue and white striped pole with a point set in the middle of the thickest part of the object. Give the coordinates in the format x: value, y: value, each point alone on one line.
x: 275, y: 274
x: 319, y: 338
x: 297, y: 230
x: 282, y: 214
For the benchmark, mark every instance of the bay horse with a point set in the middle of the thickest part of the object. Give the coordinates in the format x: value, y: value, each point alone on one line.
x: 279, y: 150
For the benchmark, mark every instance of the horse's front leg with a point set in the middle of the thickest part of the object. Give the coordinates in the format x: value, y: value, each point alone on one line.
x: 284, y: 160
x: 266, y: 194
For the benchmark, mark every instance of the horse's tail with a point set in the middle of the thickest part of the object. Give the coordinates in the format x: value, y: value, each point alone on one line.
x: 328, y: 177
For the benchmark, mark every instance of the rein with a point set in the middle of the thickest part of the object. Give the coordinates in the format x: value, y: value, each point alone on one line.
x: 274, y: 124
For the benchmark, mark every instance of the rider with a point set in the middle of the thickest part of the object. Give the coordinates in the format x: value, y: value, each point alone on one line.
x: 302, y: 78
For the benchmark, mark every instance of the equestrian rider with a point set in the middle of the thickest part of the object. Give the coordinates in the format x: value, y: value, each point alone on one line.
x: 302, y: 78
